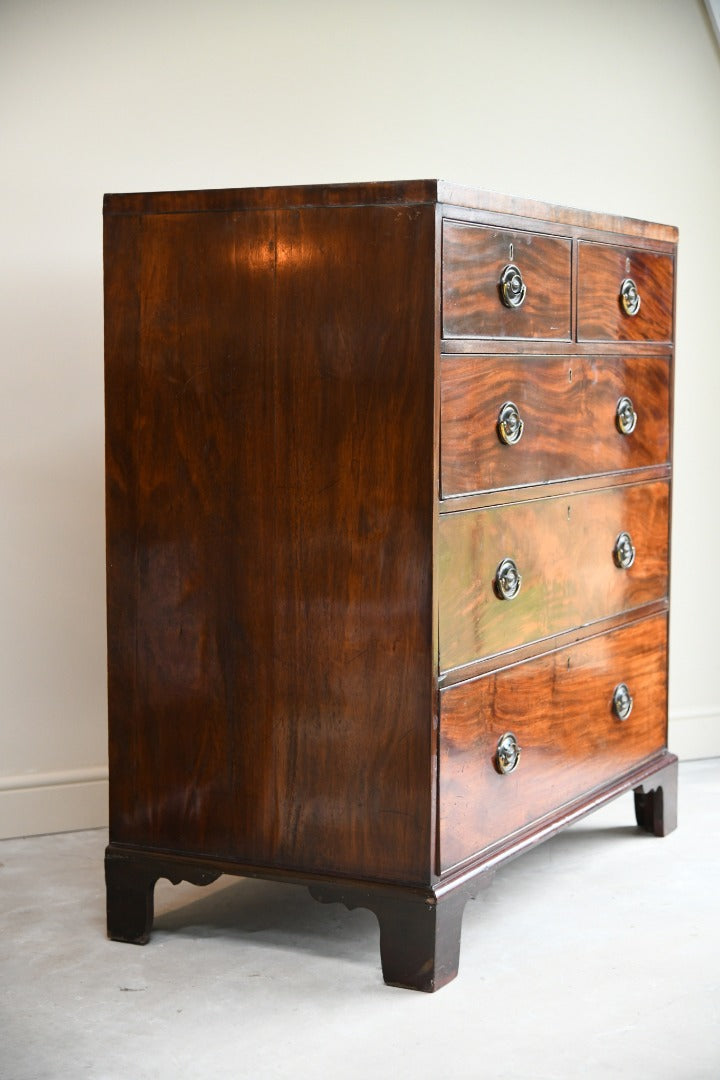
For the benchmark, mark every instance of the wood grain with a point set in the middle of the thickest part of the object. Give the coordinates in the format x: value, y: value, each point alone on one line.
x: 473, y: 258
x: 559, y: 706
x: 348, y: 783
x: 560, y: 400
x: 492, y: 203
x: 189, y: 384
x: 601, y: 271
x: 287, y: 592
x: 270, y: 500
x: 564, y: 551
x: 231, y: 200
x: 514, y: 207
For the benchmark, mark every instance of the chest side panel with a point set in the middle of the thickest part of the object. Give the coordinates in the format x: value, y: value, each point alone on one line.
x: 189, y: 362
x: 270, y: 397
x: 354, y: 501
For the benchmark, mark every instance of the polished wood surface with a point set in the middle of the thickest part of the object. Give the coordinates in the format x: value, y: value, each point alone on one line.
x: 270, y: 417
x: 563, y: 549
x: 473, y: 259
x: 601, y: 271
x: 352, y: 588
x: 505, y: 496
x: 460, y: 200
x: 230, y: 200
x: 559, y: 400
x: 572, y: 636
x: 656, y: 802
x: 288, y: 590
x: 419, y: 935
x: 559, y: 706
x: 185, y: 607
x: 566, y: 219
x: 130, y: 884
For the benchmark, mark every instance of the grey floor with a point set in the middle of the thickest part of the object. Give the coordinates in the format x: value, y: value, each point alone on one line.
x: 596, y: 955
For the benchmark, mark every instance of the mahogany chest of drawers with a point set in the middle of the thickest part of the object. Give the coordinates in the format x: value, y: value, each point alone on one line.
x: 388, y: 488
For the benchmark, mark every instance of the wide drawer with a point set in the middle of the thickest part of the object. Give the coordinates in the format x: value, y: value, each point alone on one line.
x: 602, y: 271
x: 564, y: 550
x: 559, y: 400
x: 473, y: 260
x: 560, y: 709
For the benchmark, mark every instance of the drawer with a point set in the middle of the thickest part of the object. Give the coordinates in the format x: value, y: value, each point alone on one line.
x: 602, y: 269
x: 560, y: 708
x: 560, y: 401
x: 564, y: 552
x: 473, y: 260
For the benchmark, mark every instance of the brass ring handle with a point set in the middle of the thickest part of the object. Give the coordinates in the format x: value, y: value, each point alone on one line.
x: 507, y: 753
x: 624, y: 551
x: 629, y: 297
x: 510, y: 425
x: 625, y: 416
x: 622, y: 702
x: 507, y: 580
x: 512, y: 286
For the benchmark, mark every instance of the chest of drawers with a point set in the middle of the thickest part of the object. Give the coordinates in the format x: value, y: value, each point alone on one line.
x: 388, y: 488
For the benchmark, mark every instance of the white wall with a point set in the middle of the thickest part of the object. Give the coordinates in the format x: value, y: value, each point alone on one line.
x: 610, y: 105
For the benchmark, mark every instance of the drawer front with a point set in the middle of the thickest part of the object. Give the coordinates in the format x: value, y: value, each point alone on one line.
x: 564, y: 552
x: 602, y: 269
x: 560, y: 708
x: 559, y: 401
x: 474, y: 257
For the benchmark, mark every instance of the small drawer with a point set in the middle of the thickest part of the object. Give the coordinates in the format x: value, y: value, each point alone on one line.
x: 563, y: 710
x: 624, y: 294
x: 564, y: 550
x: 536, y: 301
x: 508, y: 421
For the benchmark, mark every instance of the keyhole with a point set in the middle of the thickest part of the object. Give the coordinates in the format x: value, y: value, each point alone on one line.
x: 569, y: 512
x: 570, y: 375
x: 512, y: 252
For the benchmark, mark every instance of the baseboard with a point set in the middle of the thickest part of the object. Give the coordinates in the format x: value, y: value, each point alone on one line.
x: 695, y: 734
x: 53, y: 802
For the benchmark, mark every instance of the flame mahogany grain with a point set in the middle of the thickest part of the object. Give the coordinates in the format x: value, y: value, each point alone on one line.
x: 474, y: 257
x: 601, y: 271
x: 560, y: 709
x: 563, y: 548
x: 560, y: 400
